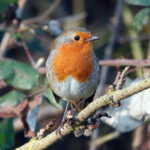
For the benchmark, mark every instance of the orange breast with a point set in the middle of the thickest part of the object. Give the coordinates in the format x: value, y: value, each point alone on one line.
x: 75, y: 60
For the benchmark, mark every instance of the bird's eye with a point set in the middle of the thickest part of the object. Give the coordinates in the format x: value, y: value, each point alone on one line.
x: 77, y: 38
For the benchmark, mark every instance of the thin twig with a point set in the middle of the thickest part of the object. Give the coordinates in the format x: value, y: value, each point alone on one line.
x: 115, y: 63
x: 42, y: 17
x: 126, y: 62
x: 85, y: 113
x: 37, y: 92
x: 4, y: 44
x: 120, y: 79
x: 135, y: 46
x: 147, y: 70
x: 28, y: 54
x: 125, y: 39
x: 110, y: 47
x: 43, y: 131
x: 138, y: 138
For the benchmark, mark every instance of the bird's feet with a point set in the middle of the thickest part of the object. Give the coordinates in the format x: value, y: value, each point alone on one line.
x: 58, y: 130
x: 91, y: 124
x: 69, y: 117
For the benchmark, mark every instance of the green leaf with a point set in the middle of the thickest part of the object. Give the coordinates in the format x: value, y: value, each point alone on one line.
x: 18, y: 74
x: 6, y: 70
x: 12, y: 98
x: 50, y: 98
x: 139, y: 2
x: 141, y: 19
x: 6, y: 134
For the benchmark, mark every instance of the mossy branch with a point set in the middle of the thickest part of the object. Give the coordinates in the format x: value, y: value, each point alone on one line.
x: 85, y: 113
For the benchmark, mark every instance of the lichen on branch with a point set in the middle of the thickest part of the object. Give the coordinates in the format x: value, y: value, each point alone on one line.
x: 118, y: 95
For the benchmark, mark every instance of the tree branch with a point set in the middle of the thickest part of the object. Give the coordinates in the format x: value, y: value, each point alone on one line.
x: 115, y: 63
x: 42, y: 17
x: 125, y: 62
x: 118, y: 95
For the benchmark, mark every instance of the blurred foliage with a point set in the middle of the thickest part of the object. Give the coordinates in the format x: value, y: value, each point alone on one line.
x: 141, y: 19
x: 142, y: 16
x: 11, y: 98
x: 6, y: 134
x: 18, y: 74
x: 4, y: 4
x: 50, y: 98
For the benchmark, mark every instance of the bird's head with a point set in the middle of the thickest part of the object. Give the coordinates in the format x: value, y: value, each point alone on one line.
x: 74, y: 38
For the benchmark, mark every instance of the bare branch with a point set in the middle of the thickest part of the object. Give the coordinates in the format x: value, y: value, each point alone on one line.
x: 28, y: 54
x: 85, y: 113
x: 40, y: 18
x: 126, y: 62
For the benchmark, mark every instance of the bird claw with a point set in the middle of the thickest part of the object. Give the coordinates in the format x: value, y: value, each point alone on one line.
x: 113, y: 102
x: 70, y: 117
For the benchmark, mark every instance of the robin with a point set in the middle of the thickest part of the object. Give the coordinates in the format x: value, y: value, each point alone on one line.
x: 72, y: 66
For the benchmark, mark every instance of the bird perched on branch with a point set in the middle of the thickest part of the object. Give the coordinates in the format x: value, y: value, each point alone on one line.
x: 72, y: 66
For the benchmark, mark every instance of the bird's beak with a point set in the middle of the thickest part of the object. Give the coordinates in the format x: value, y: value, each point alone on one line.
x: 92, y: 38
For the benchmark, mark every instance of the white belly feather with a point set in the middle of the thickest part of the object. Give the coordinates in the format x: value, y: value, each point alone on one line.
x: 70, y: 89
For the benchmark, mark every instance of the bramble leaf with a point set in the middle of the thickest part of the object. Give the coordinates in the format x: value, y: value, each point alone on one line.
x: 141, y: 19
x: 18, y: 74
x: 139, y: 2
x: 50, y: 97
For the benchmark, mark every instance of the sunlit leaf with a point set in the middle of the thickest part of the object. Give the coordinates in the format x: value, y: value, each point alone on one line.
x: 18, y: 74
x: 6, y: 134
x: 139, y: 2
x: 6, y: 69
x: 50, y: 98
x: 141, y: 18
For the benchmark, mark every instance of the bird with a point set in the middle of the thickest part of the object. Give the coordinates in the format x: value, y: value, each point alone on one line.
x: 72, y: 68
